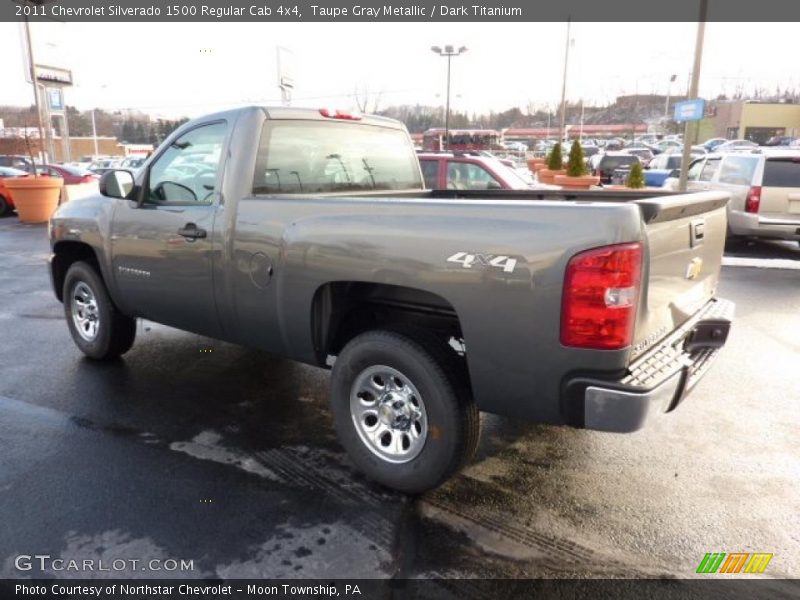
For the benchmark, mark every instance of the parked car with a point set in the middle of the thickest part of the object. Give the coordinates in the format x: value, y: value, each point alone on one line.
x: 711, y: 144
x: 662, y: 166
x: 103, y: 165
x: 667, y: 145
x: 447, y: 171
x: 133, y: 162
x: 6, y: 198
x: 71, y: 175
x: 779, y: 140
x: 16, y: 161
x: 604, y: 164
x: 645, y: 155
x: 596, y: 310
x: 764, y: 189
x: 736, y: 146
x: 516, y: 146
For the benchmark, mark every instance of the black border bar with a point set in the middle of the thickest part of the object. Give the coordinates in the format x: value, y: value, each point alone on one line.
x: 286, y: 11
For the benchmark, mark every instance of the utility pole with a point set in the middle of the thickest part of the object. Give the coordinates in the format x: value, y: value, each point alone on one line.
x: 693, y: 90
x: 32, y: 70
x: 564, y: 85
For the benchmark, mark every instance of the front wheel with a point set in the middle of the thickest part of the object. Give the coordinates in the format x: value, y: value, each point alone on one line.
x: 5, y: 206
x: 96, y: 326
x: 404, y: 415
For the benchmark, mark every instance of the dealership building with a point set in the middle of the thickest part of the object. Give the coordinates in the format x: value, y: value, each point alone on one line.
x: 752, y: 120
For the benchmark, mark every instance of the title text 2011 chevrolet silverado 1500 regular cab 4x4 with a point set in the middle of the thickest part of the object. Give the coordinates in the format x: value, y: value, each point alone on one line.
x: 309, y: 234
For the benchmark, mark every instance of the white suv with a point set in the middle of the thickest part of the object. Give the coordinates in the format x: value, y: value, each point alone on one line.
x: 764, y: 188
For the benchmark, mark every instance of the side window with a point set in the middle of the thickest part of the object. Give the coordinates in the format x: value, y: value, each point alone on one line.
x: 430, y: 171
x: 710, y: 168
x: 738, y: 170
x: 694, y: 170
x: 186, y: 173
x: 466, y: 176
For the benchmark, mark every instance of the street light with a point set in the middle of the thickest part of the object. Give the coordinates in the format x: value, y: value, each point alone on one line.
x: 449, y: 52
x: 666, y: 104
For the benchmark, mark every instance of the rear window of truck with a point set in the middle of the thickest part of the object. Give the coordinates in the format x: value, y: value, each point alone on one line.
x: 609, y: 163
x: 782, y: 172
x: 316, y: 157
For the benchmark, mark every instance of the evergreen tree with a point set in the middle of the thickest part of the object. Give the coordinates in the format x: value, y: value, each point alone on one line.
x: 555, y: 162
x: 636, y: 176
x: 575, y: 165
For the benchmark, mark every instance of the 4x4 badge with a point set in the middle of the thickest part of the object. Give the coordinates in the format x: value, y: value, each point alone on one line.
x: 467, y: 260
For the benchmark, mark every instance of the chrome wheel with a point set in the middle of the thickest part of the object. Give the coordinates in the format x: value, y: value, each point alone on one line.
x: 85, y: 314
x: 388, y: 414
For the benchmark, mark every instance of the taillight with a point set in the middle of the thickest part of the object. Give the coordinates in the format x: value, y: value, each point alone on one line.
x: 339, y: 114
x: 753, y: 202
x: 601, y: 291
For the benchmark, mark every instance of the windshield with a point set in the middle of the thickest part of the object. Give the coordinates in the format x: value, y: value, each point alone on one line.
x: 307, y: 157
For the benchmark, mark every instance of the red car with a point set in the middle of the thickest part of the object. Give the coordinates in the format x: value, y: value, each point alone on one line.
x: 455, y: 171
x: 70, y: 175
x: 6, y: 201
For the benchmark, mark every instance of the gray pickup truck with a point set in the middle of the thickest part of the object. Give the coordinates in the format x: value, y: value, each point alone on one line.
x: 309, y: 234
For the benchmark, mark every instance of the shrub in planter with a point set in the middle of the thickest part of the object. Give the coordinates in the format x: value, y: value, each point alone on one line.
x: 555, y: 166
x: 636, y: 177
x: 576, y: 177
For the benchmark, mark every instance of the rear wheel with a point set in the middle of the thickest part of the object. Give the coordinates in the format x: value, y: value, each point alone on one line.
x: 5, y: 206
x: 97, y: 328
x: 403, y: 414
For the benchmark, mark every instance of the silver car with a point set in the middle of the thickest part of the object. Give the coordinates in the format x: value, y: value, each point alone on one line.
x: 764, y: 188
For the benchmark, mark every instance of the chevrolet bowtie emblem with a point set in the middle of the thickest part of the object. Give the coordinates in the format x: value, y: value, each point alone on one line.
x: 693, y: 268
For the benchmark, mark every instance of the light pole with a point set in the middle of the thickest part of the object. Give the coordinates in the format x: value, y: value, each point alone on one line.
x: 693, y: 90
x: 32, y: 69
x: 666, y: 104
x: 561, y: 130
x: 449, y: 52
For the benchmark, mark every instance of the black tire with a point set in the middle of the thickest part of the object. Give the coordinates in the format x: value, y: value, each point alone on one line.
x: 5, y: 207
x: 114, y: 333
x: 453, y: 421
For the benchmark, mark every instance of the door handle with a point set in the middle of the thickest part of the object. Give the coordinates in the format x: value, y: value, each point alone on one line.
x: 192, y: 232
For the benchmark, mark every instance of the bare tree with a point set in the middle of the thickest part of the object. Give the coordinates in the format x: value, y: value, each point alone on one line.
x: 363, y: 97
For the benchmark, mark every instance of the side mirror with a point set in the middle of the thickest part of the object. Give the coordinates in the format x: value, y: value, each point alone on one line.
x: 116, y: 183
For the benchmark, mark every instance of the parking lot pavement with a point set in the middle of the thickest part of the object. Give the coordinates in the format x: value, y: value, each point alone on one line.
x: 194, y: 449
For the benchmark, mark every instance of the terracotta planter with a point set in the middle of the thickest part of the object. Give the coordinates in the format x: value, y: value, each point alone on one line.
x: 583, y: 182
x: 36, y: 198
x: 548, y: 176
x: 533, y: 163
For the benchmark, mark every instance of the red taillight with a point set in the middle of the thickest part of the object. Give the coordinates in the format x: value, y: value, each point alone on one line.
x: 87, y: 179
x: 601, y: 291
x: 753, y: 202
x: 339, y: 114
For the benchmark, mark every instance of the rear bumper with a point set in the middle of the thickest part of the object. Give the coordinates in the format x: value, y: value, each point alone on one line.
x: 656, y: 382
x: 785, y: 227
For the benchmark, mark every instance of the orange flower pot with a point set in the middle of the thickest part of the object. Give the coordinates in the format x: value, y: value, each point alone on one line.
x: 548, y: 175
x: 533, y: 163
x: 35, y: 198
x: 583, y: 182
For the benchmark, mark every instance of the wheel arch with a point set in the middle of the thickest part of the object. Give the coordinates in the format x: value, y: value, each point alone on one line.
x: 341, y: 310
x: 65, y: 254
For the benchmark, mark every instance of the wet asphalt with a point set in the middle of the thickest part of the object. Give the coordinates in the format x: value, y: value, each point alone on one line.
x: 188, y: 448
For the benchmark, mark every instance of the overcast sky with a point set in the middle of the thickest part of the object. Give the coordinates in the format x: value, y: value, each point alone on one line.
x: 189, y: 69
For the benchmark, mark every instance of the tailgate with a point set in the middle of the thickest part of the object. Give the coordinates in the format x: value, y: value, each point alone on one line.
x: 780, y: 192
x: 685, y: 238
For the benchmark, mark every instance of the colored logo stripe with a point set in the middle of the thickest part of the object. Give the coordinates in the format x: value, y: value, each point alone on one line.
x: 758, y: 563
x: 752, y: 563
